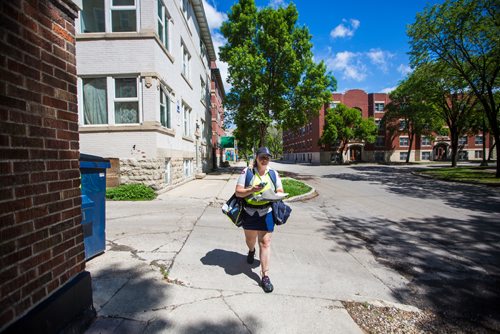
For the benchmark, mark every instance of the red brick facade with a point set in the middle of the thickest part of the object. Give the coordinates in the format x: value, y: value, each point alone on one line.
x: 217, y: 95
x: 302, y: 145
x: 41, y: 242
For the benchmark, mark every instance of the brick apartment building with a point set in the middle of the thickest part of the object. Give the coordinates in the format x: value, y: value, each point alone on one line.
x: 217, y: 95
x: 302, y: 145
x: 44, y: 286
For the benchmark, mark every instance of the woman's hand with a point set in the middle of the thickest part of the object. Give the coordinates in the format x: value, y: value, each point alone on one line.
x: 244, y: 192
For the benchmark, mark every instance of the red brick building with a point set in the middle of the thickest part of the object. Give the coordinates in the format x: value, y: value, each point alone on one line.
x: 302, y: 145
x: 44, y: 286
x: 217, y: 95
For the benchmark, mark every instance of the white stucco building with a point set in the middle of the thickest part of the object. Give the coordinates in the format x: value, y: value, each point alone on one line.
x: 144, y: 75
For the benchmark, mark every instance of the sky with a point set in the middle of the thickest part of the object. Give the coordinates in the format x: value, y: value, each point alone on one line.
x: 363, y: 43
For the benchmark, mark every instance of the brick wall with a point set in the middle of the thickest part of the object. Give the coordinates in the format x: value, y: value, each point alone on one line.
x: 41, y: 241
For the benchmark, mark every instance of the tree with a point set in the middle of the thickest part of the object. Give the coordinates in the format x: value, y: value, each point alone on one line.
x: 343, y: 124
x: 274, y: 140
x: 408, y: 112
x: 465, y: 35
x: 271, y: 71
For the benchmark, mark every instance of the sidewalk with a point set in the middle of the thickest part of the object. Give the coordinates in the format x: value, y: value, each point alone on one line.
x: 177, y: 265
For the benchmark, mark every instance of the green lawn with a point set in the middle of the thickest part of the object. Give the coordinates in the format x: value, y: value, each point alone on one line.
x: 294, y: 187
x: 482, y: 175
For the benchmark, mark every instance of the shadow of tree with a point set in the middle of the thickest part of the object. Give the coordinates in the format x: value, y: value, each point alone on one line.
x: 227, y: 327
x: 402, y: 181
x: 453, y: 265
x: 232, y: 262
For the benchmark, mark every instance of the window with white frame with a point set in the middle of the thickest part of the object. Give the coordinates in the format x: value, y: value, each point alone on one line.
x: 462, y: 140
x: 188, y: 167
x: 92, y: 16
x: 121, y: 92
x: 377, y: 123
x: 403, y: 141
x: 426, y: 141
x: 186, y: 62
x: 123, y: 15
x: 478, y: 154
x: 168, y: 169
x: 425, y: 156
x: 334, y: 104
x: 186, y: 117
x: 403, y: 156
x: 379, y: 106
x: 163, y: 24
x: 402, y: 125
x: 203, y: 90
x: 126, y: 101
x: 202, y: 129
x: 478, y: 140
x: 95, y: 104
x: 203, y: 50
x: 185, y: 7
x: 165, y: 109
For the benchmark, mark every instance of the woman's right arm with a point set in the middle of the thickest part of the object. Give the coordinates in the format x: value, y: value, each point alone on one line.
x: 243, y: 192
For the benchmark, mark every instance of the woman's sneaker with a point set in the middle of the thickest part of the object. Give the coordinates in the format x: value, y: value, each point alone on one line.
x: 267, y: 286
x: 250, y: 256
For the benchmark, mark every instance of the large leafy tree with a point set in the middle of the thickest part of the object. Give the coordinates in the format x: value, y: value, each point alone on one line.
x: 344, y: 124
x: 274, y: 140
x: 465, y: 34
x: 271, y: 71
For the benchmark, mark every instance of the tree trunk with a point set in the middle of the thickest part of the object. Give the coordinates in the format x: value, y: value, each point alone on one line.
x: 490, y: 151
x: 454, y: 146
x: 409, y: 148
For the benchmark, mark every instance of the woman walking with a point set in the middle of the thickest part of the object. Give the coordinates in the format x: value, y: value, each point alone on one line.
x: 258, y: 222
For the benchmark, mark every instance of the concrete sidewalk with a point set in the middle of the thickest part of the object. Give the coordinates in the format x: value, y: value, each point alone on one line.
x: 177, y: 265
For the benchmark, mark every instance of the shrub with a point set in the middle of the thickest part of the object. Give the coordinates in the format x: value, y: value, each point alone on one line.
x: 131, y: 192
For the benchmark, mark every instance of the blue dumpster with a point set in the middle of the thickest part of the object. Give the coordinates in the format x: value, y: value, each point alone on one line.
x: 93, y: 181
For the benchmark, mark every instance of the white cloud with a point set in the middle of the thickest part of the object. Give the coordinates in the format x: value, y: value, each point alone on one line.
x: 404, y: 69
x: 349, y: 64
x: 380, y: 58
x: 277, y: 3
x: 345, y: 29
x: 388, y: 89
x: 214, y: 18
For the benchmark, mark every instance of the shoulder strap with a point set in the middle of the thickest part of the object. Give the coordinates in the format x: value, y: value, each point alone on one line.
x: 272, y: 174
x: 248, y: 176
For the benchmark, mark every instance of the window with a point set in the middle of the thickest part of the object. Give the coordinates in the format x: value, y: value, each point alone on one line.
x: 463, y: 155
x: 380, y: 141
x: 426, y: 156
x: 186, y: 62
x: 95, y: 103
x: 184, y: 7
x: 379, y: 156
x: 403, y: 141
x: 202, y: 129
x: 478, y: 154
x: 478, y: 140
x: 203, y: 51
x: 165, y: 109
x: 163, y: 24
x: 462, y: 140
x: 188, y: 165
x: 92, y: 16
x: 377, y: 123
x: 403, y: 156
x: 186, y: 116
x: 203, y: 90
x: 334, y: 104
x: 123, y: 15
x: 126, y: 101
x: 426, y: 141
x: 167, y: 171
x: 402, y: 125
x: 379, y: 106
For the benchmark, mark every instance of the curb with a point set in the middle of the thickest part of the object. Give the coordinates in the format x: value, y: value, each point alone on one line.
x: 304, y: 197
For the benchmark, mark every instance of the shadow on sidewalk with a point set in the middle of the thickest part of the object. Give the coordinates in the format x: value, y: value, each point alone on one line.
x: 232, y: 262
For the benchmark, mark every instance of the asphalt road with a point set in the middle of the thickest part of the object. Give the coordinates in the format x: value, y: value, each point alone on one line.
x: 444, y: 237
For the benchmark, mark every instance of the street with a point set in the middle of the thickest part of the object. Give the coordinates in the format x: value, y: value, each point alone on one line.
x: 443, y: 237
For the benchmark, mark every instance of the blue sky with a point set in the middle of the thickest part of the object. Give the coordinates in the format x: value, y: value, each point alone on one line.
x: 364, y: 43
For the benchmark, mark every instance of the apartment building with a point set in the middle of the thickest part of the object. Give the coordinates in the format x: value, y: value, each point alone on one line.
x: 217, y: 95
x: 144, y: 79
x: 302, y: 145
